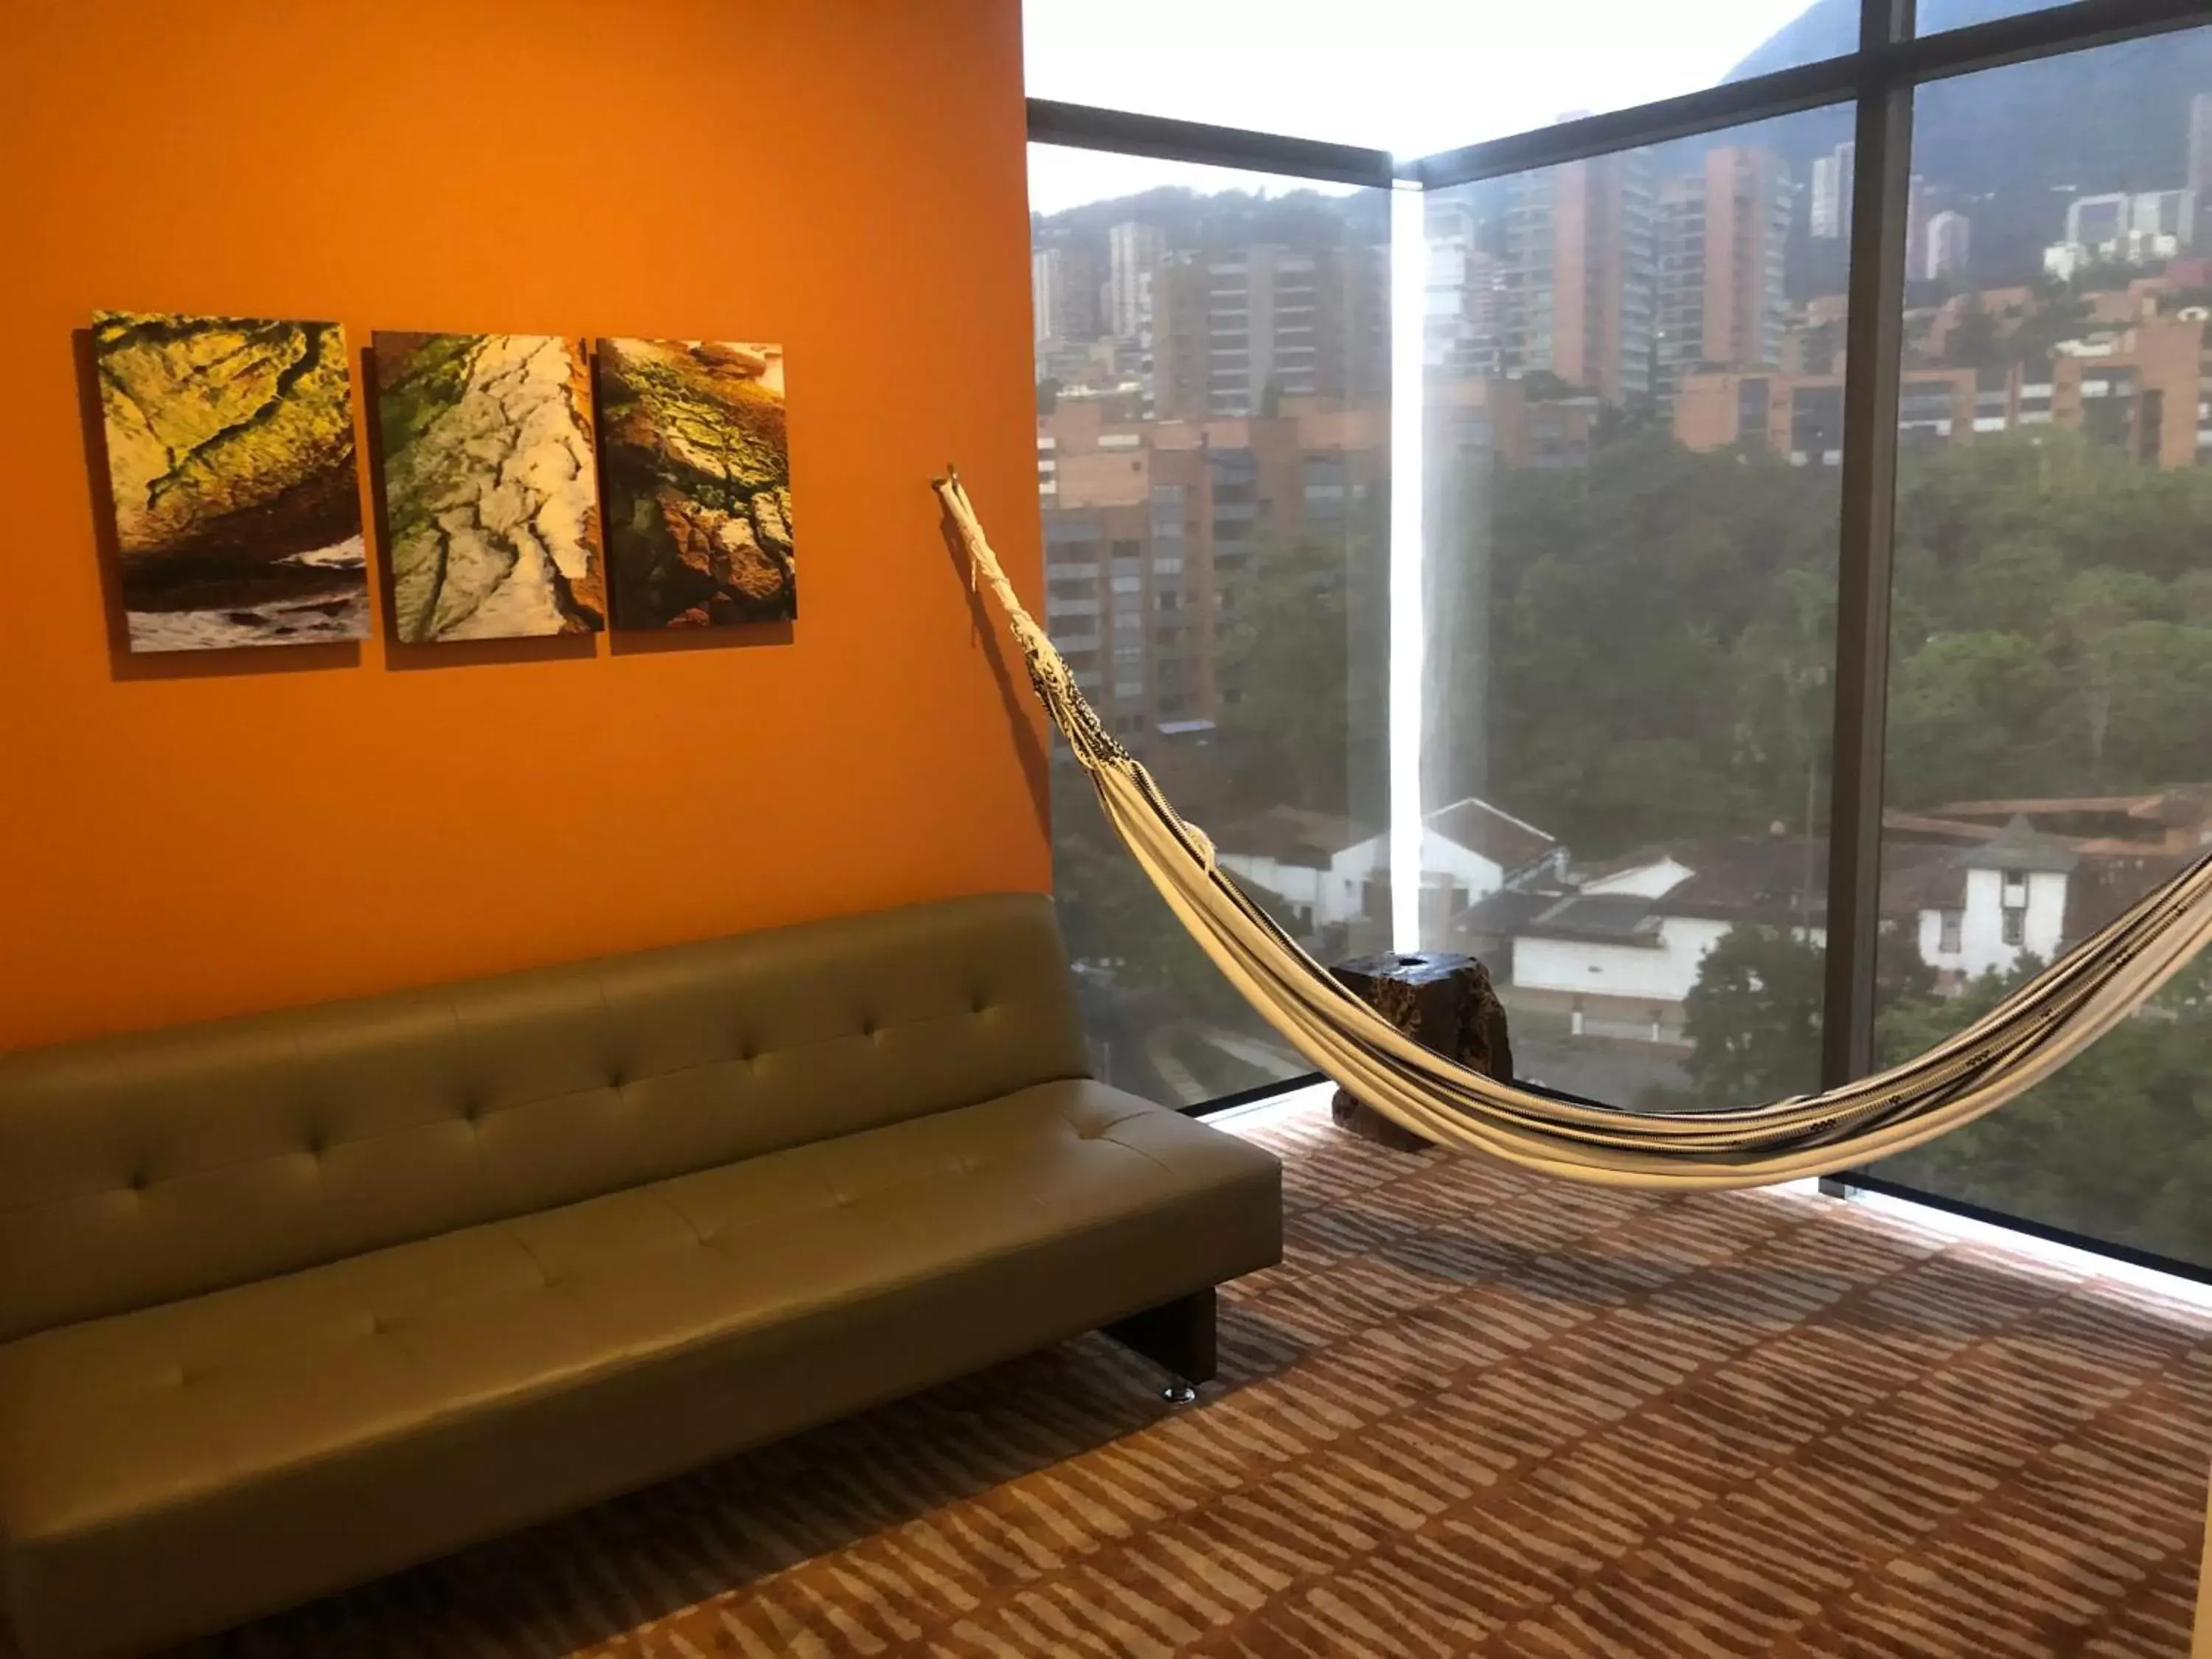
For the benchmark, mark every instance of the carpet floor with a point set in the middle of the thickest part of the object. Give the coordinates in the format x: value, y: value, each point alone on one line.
x: 1471, y: 1413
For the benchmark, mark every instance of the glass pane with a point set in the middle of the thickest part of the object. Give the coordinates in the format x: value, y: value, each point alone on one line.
x: 1212, y: 441
x: 2050, y: 726
x: 1409, y: 76
x: 1634, y: 402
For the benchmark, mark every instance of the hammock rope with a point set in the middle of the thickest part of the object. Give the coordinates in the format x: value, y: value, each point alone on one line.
x: 2000, y: 1056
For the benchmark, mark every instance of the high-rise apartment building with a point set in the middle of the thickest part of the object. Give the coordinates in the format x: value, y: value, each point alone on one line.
x: 1723, y: 234
x: 2132, y: 229
x: 1576, y: 281
x: 2098, y: 223
x: 1834, y: 178
x: 1460, y: 294
x: 1153, y: 531
x: 2200, y: 149
x: 1950, y: 238
x: 1133, y: 250
x: 1064, y: 294
x: 1236, y: 332
x: 2165, y: 214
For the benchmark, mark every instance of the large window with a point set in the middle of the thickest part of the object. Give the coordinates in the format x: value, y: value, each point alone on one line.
x: 1631, y: 363
x: 1801, y: 628
x: 1213, y: 448
x: 2049, y: 712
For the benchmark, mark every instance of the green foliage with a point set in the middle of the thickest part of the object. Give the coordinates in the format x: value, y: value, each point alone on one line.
x: 1659, y: 646
x: 1754, y: 1015
x: 1658, y: 669
x: 2117, y: 1145
x: 1975, y: 340
x: 1305, y: 729
x: 1661, y: 622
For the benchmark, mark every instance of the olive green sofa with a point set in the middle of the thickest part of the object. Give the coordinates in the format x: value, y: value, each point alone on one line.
x: 292, y: 1301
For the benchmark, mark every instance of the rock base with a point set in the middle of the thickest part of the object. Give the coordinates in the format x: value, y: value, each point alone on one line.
x: 1442, y: 1000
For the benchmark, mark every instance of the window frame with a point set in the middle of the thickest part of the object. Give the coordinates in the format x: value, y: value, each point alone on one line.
x: 1879, y: 79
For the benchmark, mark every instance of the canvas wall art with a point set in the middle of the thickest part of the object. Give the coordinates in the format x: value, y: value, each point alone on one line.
x: 490, y: 496
x: 697, y: 470
x: 230, y: 460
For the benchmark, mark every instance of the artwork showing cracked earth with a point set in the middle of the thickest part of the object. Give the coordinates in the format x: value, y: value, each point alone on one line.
x: 230, y: 461
x: 697, y: 467
x: 489, y: 497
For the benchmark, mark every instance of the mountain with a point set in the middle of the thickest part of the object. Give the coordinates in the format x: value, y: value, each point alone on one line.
x: 2007, y: 147
x: 1829, y: 28
x: 1299, y: 219
x: 2010, y: 147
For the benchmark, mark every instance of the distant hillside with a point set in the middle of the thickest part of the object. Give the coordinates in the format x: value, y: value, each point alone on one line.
x: 2010, y: 146
x: 1302, y: 218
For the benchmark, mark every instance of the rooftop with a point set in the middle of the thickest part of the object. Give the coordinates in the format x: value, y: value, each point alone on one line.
x: 2022, y: 847
x: 1293, y: 835
x: 1504, y: 840
x: 1600, y: 919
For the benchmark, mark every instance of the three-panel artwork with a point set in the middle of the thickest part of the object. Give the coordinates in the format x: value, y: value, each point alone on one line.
x: 528, y: 485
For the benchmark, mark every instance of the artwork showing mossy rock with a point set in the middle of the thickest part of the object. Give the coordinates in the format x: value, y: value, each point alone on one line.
x: 230, y: 459
x: 697, y: 472
x: 490, y: 497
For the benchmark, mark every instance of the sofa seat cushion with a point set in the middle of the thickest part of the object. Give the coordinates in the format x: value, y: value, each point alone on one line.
x: 383, y: 1409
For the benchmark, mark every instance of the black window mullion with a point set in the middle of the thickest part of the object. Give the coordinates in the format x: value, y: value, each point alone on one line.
x: 1080, y: 126
x: 1871, y: 369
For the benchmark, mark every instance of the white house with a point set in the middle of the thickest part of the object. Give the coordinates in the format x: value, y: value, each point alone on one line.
x: 1301, y: 858
x: 1619, y: 950
x: 1331, y: 870
x: 2008, y: 900
x: 1620, y: 977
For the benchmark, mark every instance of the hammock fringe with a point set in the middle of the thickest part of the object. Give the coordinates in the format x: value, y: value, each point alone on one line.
x: 2008, y: 1051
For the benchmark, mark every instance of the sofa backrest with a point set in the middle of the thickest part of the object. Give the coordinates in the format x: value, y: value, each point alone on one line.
x: 139, y: 1170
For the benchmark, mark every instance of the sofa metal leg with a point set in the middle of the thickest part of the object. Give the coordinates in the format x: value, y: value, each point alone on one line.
x: 1178, y: 1335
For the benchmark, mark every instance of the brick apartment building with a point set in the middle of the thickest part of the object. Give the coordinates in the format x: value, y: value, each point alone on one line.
x: 2138, y: 387
x: 1150, y: 526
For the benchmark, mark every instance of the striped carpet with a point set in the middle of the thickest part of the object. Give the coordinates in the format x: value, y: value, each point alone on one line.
x: 1471, y: 1413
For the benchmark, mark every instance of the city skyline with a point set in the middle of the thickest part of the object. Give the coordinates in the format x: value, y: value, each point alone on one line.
x: 1625, y: 276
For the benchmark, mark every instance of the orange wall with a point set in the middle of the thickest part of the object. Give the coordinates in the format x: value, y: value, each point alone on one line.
x: 844, y: 176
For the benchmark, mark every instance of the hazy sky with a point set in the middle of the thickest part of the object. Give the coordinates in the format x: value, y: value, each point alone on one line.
x: 1409, y: 75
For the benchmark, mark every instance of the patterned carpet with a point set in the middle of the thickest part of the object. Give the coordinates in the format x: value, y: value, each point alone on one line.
x: 1471, y: 1413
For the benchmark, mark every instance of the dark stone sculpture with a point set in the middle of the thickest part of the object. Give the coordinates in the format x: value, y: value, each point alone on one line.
x: 1442, y: 1000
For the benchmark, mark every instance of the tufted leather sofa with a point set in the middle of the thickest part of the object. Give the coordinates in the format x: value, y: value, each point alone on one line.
x: 291, y: 1301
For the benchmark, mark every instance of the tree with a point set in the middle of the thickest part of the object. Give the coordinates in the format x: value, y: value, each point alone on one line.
x: 1753, y: 1016
x: 1302, y: 726
x: 1659, y: 644
x: 2117, y: 1145
x: 2094, y: 614
x: 1970, y: 716
x: 1975, y: 341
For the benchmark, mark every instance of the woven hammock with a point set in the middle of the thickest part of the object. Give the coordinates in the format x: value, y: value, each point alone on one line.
x: 2033, y: 1032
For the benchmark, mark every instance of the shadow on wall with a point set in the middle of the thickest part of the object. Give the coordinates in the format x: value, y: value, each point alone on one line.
x: 640, y: 643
